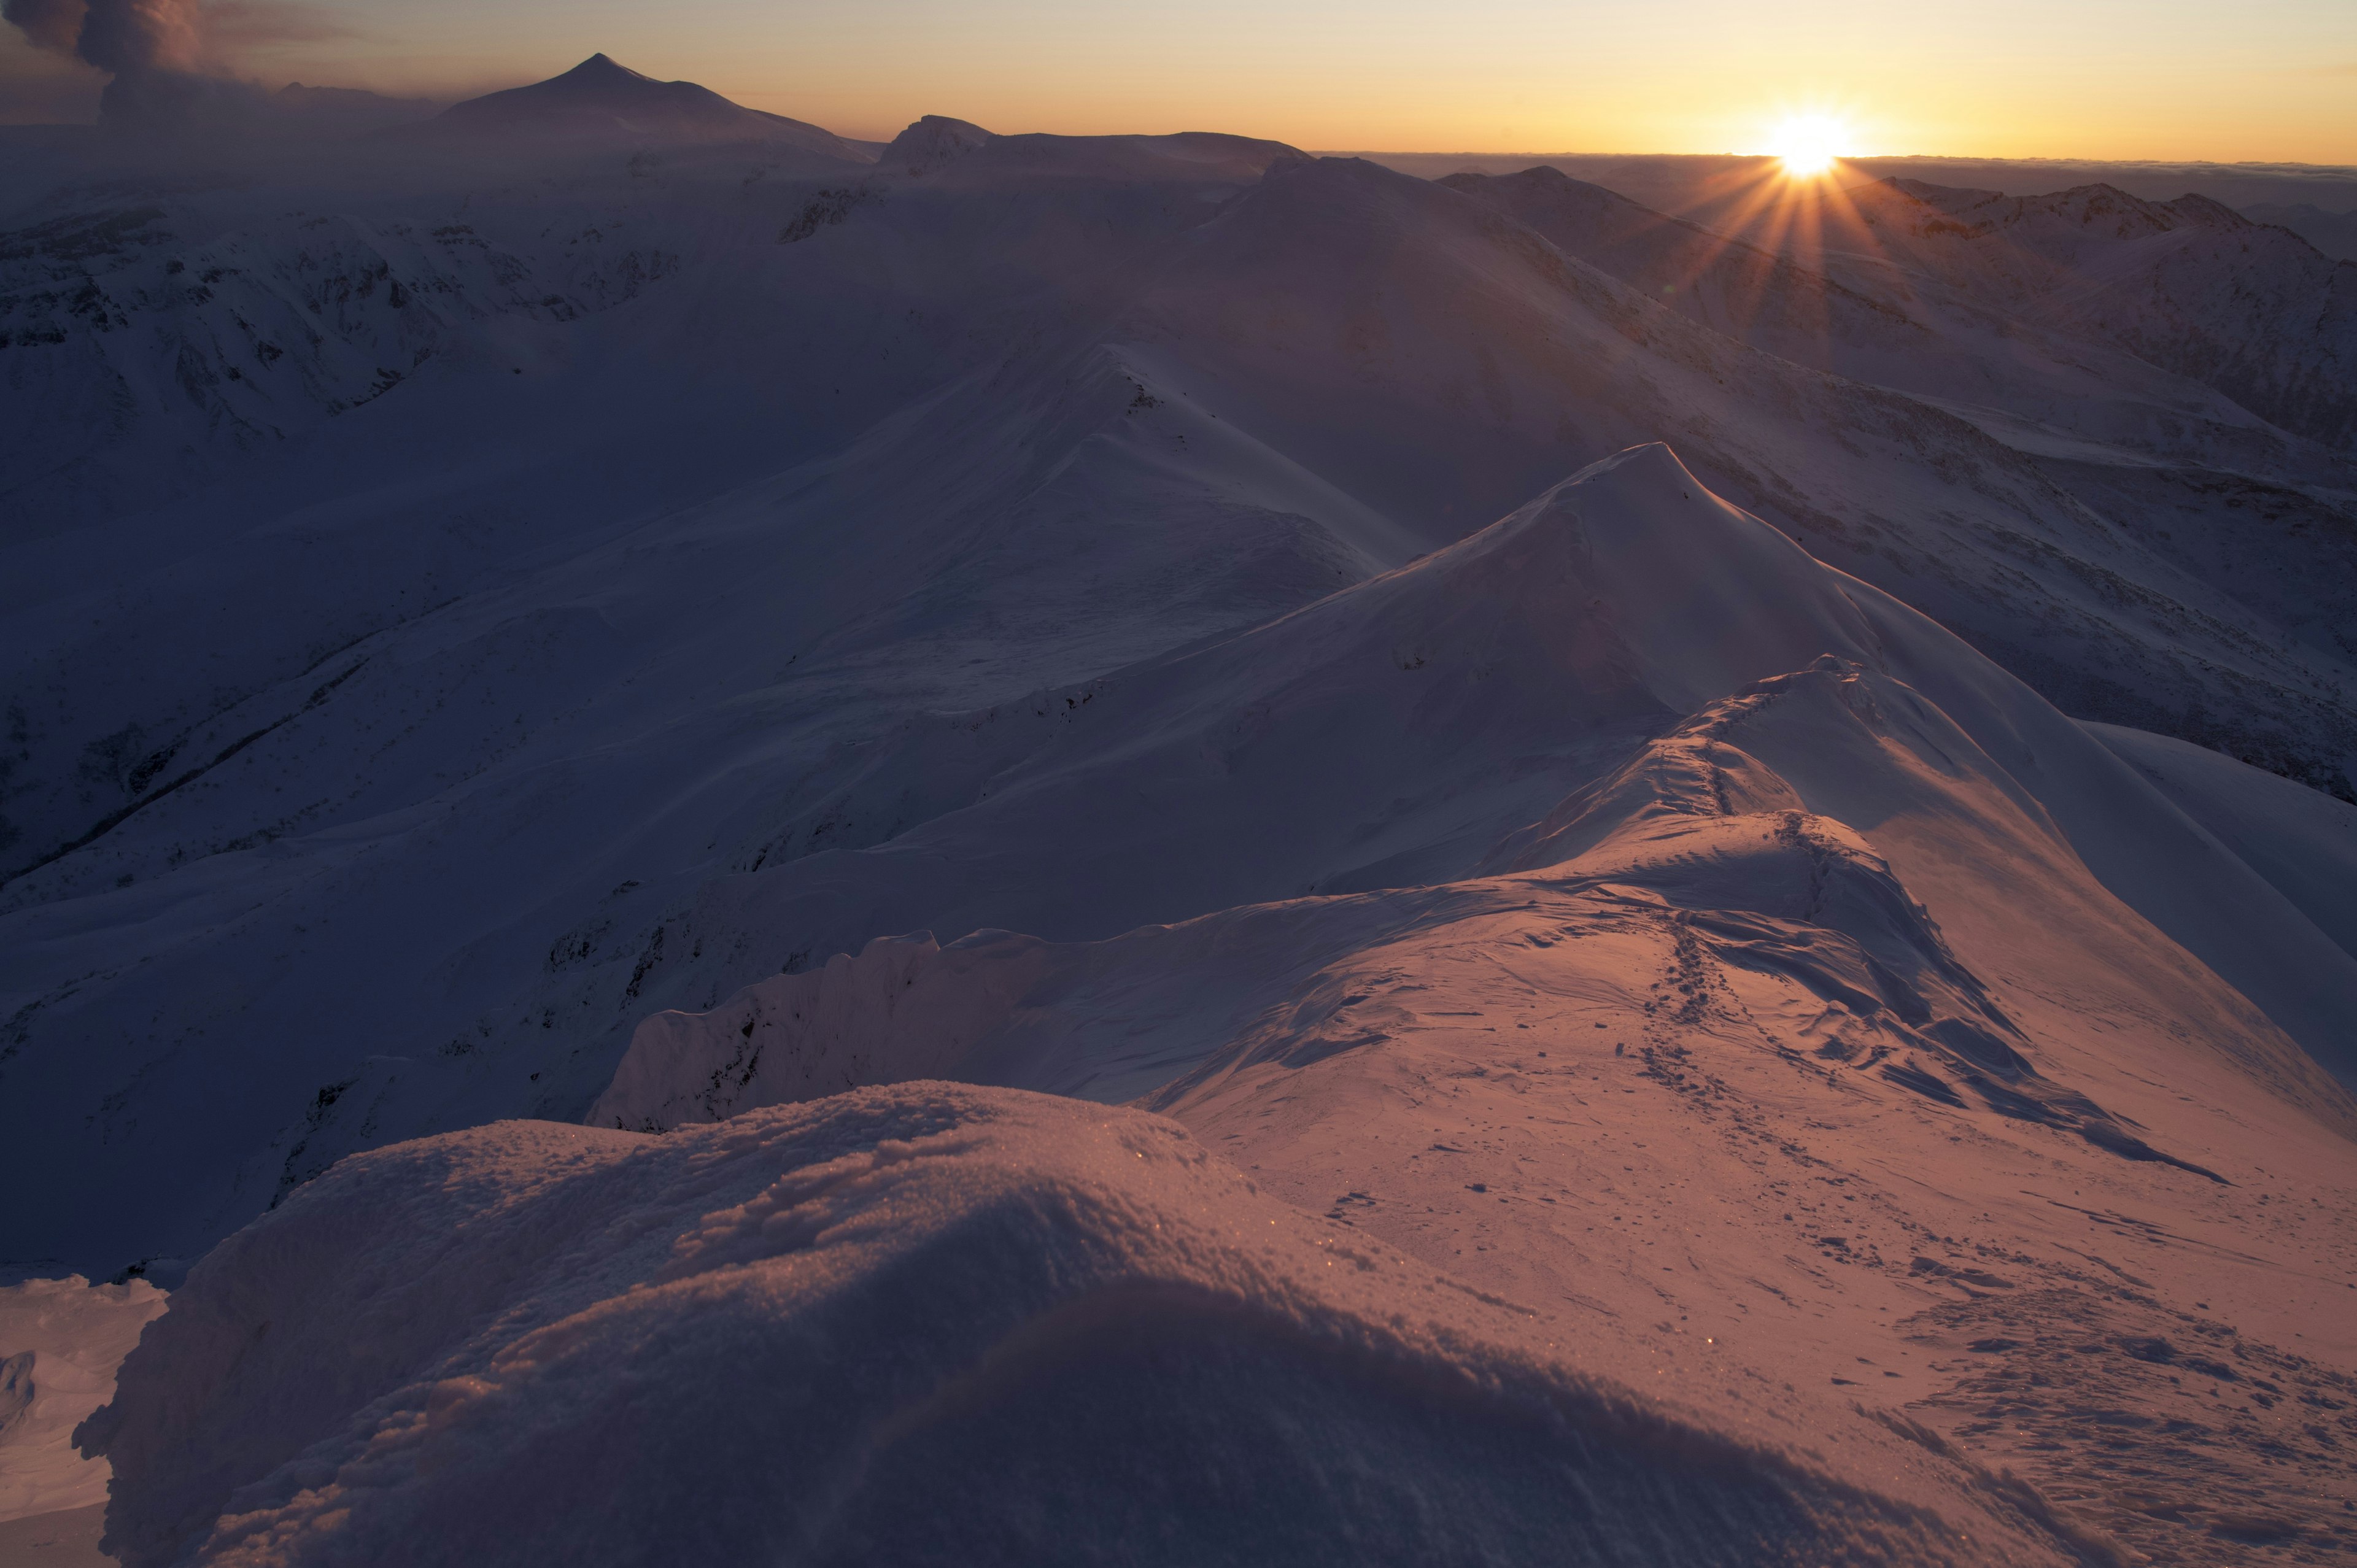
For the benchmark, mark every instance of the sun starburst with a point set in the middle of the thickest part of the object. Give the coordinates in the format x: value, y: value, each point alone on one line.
x: 1808, y: 144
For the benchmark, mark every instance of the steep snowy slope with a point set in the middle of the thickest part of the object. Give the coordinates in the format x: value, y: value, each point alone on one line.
x: 151, y: 331
x: 2303, y: 843
x: 2176, y: 471
x: 2334, y: 233
x: 1472, y: 352
x: 1423, y: 728
x: 157, y: 318
x: 1396, y: 733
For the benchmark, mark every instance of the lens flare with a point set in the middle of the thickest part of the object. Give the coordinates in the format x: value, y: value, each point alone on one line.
x: 1807, y: 145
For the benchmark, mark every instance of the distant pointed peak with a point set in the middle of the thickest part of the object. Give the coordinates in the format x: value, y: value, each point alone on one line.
x: 602, y: 67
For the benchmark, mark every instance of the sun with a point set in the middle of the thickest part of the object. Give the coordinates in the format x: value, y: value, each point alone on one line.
x: 1807, y: 145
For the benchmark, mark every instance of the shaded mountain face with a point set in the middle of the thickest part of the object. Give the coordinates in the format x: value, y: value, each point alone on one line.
x: 601, y: 100
x: 2189, y: 286
x: 2334, y: 233
x: 1926, y: 341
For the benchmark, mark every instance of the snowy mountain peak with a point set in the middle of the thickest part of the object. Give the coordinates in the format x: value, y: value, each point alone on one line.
x: 601, y: 67
x: 1702, y: 595
x: 2199, y: 209
x: 602, y: 81
x: 931, y: 143
x: 601, y: 99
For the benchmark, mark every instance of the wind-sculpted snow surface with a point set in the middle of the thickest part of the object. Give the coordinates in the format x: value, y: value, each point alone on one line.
x: 1696, y: 843
x: 1399, y: 733
x: 923, y: 1324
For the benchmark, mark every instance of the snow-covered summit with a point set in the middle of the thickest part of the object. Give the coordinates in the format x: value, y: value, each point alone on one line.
x: 929, y: 143
x: 601, y: 99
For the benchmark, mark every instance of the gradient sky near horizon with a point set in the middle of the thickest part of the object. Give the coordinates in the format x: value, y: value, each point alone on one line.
x: 2271, y: 80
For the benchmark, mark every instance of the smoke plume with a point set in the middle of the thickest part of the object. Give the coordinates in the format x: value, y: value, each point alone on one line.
x: 132, y: 38
x: 170, y: 59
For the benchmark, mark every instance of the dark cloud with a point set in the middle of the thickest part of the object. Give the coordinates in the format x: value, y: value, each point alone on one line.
x: 136, y: 37
x: 51, y: 24
x: 173, y: 60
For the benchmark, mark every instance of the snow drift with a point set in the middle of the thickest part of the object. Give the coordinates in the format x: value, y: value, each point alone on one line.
x: 924, y: 1325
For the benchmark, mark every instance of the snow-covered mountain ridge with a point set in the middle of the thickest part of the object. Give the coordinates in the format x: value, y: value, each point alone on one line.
x: 1583, y: 758
x: 129, y: 334
x: 2190, y: 284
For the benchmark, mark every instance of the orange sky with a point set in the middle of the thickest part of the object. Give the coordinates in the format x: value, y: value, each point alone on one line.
x: 2103, y: 79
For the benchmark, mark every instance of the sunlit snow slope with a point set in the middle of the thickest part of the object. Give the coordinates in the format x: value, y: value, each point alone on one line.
x: 935, y: 1325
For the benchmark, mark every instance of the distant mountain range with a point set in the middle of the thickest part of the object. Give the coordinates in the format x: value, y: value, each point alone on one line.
x: 2189, y: 285
x: 1697, y: 186
x: 2334, y: 233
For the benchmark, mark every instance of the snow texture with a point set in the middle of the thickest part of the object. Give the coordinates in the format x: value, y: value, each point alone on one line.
x: 60, y: 1341
x: 922, y: 1325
